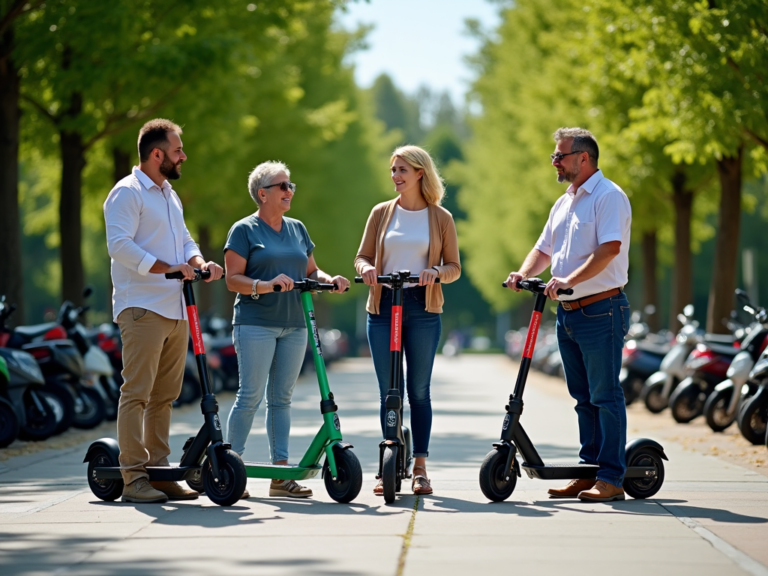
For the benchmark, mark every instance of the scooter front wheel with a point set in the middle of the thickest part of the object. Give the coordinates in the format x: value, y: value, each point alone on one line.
x: 686, y: 404
x: 349, y: 479
x: 389, y: 473
x: 229, y: 487
x: 496, y: 482
x: 753, y: 419
x: 716, y: 409
x: 653, y: 398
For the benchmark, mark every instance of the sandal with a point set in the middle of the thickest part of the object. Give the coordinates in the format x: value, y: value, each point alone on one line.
x: 420, y: 484
x: 379, y: 488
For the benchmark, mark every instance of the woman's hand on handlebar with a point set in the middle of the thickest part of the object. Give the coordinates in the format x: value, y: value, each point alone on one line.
x: 427, y: 277
x: 556, y: 284
x: 341, y: 283
x: 370, y: 276
x: 513, y: 279
x: 186, y: 269
x: 285, y: 283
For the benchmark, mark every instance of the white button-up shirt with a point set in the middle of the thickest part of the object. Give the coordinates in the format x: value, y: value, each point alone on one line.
x: 581, y: 220
x: 145, y: 223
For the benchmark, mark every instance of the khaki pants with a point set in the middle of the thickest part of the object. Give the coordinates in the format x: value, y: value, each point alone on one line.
x: 154, y: 352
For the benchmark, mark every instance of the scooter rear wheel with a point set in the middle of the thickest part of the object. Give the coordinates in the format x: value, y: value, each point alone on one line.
x: 389, y: 473
x: 9, y: 423
x: 686, y: 404
x: 349, y: 480
x: 716, y: 410
x: 196, y: 482
x: 230, y: 485
x: 496, y: 482
x: 653, y: 398
x: 104, y: 489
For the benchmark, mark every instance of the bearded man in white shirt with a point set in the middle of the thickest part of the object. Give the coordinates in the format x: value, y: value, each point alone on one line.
x: 146, y: 238
x: 586, y: 242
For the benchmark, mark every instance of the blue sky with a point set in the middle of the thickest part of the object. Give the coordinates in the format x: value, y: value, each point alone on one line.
x: 418, y: 42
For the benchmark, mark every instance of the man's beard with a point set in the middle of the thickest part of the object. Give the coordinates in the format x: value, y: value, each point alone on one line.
x: 170, y: 170
x: 567, y: 176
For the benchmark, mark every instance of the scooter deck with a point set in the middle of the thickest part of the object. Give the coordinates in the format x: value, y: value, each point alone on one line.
x: 580, y: 471
x: 156, y: 473
x: 282, y: 471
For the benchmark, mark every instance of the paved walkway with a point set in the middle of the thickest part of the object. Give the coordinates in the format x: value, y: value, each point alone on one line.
x: 711, y: 517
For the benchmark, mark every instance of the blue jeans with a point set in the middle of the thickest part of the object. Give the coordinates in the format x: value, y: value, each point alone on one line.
x: 421, y: 333
x: 591, y: 340
x: 269, y: 359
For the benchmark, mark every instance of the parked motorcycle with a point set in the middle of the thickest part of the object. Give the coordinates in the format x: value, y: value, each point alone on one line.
x: 723, y: 404
x: 640, y: 360
x: 753, y: 416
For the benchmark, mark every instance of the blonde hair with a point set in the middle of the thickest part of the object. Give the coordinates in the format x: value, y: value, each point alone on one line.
x: 419, y: 159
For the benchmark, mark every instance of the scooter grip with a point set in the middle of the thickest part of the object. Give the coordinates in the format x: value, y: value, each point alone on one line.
x: 199, y: 275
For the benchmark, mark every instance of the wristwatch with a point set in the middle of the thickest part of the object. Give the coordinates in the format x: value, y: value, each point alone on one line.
x: 255, y: 295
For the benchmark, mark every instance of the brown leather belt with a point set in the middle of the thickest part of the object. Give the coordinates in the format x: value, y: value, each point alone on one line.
x: 587, y: 300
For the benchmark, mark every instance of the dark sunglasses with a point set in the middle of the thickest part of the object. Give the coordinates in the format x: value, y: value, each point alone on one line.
x: 559, y: 157
x: 284, y: 186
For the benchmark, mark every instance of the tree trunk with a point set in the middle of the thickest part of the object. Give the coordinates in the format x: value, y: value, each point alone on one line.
x: 121, y: 164
x: 727, y: 246
x: 70, y: 221
x: 650, y: 282
x: 10, y: 229
x: 205, y: 294
x: 682, y: 275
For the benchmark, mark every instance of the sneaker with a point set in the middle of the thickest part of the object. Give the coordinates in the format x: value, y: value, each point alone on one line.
x: 289, y: 488
x: 140, y: 491
x: 175, y: 491
x: 379, y: 488
x: 602, y: 492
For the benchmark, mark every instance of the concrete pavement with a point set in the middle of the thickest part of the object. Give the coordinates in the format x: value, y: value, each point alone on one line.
x: 711, y: 516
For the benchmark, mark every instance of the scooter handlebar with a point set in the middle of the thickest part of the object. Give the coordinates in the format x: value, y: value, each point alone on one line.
x: 199, y: 275
x: 387, y: 279
x: 537, y: 286
x: 308, y: 284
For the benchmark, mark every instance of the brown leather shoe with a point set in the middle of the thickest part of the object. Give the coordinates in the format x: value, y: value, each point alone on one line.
x: 602, y: 492
x: 174, y: 491
x: 141, y: 492
x: 572, y: 489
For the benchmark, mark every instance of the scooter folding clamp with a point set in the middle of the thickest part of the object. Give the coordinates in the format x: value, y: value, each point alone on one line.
x: 327, y: 406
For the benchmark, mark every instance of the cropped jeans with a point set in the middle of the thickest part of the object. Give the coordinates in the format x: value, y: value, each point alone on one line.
x: 421, y: 333
x: 269, y: 360
x: 591, y: 340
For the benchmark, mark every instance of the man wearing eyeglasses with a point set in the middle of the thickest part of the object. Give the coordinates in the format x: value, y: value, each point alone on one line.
x: 146, y: 238
x: 586, y: 243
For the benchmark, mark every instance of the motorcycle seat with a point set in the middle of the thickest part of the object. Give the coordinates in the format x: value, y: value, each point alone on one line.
x: 657, y: 349
x: 724, y: 350
x: 725, y: 339
x: 35, y: 331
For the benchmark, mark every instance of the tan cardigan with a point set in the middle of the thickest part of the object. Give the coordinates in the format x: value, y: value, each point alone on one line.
x: 443, y: 252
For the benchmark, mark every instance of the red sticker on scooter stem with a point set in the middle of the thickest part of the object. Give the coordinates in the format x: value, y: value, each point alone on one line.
x: 194, y: 330
x: 395, y: 334
x: 533, y: 330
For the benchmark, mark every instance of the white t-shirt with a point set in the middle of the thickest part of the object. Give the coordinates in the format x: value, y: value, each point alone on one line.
x: 406, y: 242
x: 598, y: 212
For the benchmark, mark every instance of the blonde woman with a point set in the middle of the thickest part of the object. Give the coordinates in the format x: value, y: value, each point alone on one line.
x: 411, y: 232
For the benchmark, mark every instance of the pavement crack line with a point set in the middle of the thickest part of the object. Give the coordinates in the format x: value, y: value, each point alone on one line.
x: 407, y: 539
x: 742, y: 560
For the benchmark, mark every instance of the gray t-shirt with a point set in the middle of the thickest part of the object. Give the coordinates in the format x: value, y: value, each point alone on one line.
x: 268, y: 254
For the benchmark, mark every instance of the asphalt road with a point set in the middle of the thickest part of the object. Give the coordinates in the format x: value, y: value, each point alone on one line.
x: 711, y: 516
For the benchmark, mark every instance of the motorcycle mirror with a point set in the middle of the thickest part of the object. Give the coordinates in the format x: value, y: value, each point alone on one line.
x: 682, y: 319
x: 688, y: 310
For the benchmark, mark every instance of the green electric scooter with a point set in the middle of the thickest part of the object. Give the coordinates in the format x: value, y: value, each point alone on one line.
x: 341, y: 471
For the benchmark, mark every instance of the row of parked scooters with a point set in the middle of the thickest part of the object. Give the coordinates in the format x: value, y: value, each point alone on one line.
x: 723, y: 377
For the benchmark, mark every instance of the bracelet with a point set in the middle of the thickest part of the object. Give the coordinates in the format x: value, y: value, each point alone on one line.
x: 436, y: 270
x: 255, y: 295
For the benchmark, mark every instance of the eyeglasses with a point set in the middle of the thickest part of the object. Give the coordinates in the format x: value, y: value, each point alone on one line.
x: 559, y: 157
x: 284, y: 186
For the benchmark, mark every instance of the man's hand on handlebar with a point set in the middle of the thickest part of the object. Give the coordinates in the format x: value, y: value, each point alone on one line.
x: 556, y: 284
x: 341, y: 283
x: 216, y: 271
x: 187, y: 270
x: 285, y: 283
x: 369, y: 276
x: 513, y: 279
x: 428, y: 277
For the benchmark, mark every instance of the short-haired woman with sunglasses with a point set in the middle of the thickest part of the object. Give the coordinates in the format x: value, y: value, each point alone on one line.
x: 411, y: 232
x: 264, y: 250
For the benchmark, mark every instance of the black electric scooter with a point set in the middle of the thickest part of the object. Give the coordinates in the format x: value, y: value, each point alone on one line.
x: 500, y: 469
x: 395, y: 451
x: 223, y: 474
